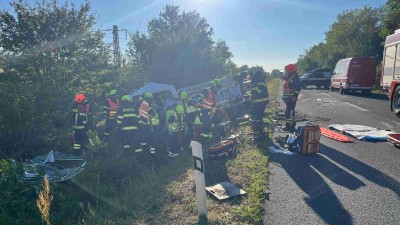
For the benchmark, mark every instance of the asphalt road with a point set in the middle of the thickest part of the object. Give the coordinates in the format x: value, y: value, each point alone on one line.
x: 346, y: 183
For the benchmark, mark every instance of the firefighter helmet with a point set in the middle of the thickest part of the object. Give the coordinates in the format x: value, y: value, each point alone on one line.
x: 217, y: 83
x: 80, y: 98
x: 112, y: 92
x: 126, y: 98
x: 148, y: 95
x: 183, y: 95
x: 290, y: 68
x: 179, y: 109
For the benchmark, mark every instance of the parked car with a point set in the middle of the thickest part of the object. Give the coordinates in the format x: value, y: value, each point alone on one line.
x: 318, y: 77
x: 354, y: 74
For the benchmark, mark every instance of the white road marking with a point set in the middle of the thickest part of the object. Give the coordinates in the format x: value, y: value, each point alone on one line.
x: 319, y: 99
x: 365, y: 110
x: 386, y: 124
x: 326, y: 94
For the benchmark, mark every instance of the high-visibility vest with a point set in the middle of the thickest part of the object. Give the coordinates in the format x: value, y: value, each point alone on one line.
x: 287, y: 92
x: 208, y: 101
x: 144, y: 109
x: 153, y: 120
x: 113, y: 107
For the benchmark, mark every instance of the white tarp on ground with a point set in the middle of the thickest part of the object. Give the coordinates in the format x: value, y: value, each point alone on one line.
x: 362, y: 132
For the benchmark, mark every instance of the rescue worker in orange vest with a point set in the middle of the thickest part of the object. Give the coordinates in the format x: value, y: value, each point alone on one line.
x: 207, y: 104
x: 291, y: 91
x: 110, y: 110
x: 259, y: 96
x: 144, y: 120
x: 81, y: 120
x: 127, y: 123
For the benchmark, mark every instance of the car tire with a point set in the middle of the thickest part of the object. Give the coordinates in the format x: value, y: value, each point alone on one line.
x: 396, y: 99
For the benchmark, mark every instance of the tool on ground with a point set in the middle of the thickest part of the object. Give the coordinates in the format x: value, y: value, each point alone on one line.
x: 225, y: 148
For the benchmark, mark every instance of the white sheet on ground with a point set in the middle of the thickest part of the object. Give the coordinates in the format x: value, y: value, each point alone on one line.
x: 362, y: 132
x: 273, y: 149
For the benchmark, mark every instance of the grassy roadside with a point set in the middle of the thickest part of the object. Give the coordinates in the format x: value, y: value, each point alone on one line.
x: 160, y: 190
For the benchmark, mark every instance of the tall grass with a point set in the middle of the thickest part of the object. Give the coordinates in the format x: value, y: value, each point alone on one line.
x: 44, y: 201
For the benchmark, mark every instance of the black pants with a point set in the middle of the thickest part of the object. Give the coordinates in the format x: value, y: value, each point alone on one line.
x: 257, y: 110
x: 80, y: 140
x: 290, y: 114
x: 188, y: 137
x: 110, y: 121
x: 130, y: 140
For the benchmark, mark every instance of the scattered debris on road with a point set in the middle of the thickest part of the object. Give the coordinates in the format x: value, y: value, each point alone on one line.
x: 362, y: 132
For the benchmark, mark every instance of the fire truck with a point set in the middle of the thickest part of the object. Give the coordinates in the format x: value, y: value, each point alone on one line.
x: 390, y: 76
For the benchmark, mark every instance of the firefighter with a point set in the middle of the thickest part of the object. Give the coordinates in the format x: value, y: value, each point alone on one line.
x: 154, y: 122
x: 172, y: 128
x: 259, y: 96
x: 182, y: 128
x: 190, y: 114
x: 144, y: 120
x: 291, y: 91
x: 110, y: 110
x: 207, y: 104
x: 128, y: 123
x: 81, y: 120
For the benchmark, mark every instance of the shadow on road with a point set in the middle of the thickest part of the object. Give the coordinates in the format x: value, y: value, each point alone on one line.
x: 362, y: 169
x: 375, y: 96
x: 322, y: 199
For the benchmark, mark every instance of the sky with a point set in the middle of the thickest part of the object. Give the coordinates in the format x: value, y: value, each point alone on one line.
x: 269, y: 33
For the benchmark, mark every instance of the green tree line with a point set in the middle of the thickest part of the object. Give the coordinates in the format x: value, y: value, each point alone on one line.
x: 49, y: 51
x: 356, y: 32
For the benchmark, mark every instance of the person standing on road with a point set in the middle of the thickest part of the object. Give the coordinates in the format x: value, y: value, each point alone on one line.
x: 259, y: 96
x: 291, y: 91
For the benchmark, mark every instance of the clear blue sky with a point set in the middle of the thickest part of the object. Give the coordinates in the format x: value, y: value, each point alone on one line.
x: 270, y: 33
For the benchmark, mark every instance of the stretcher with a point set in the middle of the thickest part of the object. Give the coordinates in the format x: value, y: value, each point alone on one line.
x: 394, y: 139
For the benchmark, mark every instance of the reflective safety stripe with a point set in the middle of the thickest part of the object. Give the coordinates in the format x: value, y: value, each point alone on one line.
x: 126, y: 146
x: 119, y: 122
x: 206, y: 135
x: 129, y: 115
x: 107, y: 134
x: 260, y: 100
x: 111, y: 117
x: 130, y: 128
x: 120, y: 117
x: 78, y: 127
x: 143, y: 143
x: 77, y: 146
x: 82, y: 114
x: 138, y: 150
x: 74, y: 110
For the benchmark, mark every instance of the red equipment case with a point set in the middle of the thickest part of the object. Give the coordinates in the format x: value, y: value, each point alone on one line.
x: 309, y: 138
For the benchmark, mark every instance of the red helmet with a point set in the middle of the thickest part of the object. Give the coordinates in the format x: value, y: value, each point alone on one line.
x: 290, y: 68
x: 79, y: 98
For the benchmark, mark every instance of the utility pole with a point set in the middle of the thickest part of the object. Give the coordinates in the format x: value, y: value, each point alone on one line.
x: 116, y: 50
x: 117, y: 55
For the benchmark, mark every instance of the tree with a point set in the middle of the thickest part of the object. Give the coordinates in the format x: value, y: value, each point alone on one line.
x: 178, y: 49
x: 49, y: 53
x: 355, y: 33
x: 390, y: 18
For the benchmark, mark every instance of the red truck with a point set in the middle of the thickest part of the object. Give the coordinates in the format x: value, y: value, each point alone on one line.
x: 390, y: 76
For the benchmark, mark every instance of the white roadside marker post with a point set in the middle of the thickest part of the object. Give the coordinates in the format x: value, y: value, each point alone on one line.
x: 198, y: 166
